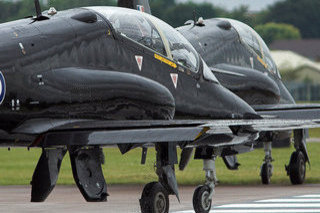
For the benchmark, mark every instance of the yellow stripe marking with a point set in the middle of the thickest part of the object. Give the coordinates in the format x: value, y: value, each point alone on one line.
x: 262, y: 62
x: 204, y: 130
x: 166, y: 61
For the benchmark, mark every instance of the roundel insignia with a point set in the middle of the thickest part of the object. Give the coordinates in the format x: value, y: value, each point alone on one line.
x: 2, y: 87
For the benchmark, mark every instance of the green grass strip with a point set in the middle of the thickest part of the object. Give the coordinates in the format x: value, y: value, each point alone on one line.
x: 18, y: 164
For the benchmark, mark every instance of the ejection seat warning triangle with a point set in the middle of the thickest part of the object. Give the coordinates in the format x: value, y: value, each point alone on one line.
x: 174, y: 77
x: 139, y: 60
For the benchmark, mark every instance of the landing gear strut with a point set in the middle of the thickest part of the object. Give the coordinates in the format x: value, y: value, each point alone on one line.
x: 267, y: 168
x: 297, y: 165
x: 202, y: 197
x: 155, y: 195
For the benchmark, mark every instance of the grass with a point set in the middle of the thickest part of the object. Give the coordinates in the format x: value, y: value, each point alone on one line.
x: 17, y: 167
x: 314, y: 133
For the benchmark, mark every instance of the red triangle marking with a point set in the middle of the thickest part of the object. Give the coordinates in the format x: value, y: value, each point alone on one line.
x: 174, y: 77
x: 139, y: 60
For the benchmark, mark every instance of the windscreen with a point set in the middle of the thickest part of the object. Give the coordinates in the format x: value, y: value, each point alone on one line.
x: 152, y: 33
x: 256, y: 43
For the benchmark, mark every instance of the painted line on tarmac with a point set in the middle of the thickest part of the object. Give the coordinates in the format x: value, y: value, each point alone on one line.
x: 266, y: 211
x: 259, y: 211
x: 295, y: 204
x: 308, y: 196
x: 271, y: 205
x: 311, y: 200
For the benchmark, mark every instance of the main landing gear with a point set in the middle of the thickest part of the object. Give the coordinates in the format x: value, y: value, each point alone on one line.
x: 155, y: 195
x: 267, y: 168
x: 296, y: 169
x: 155, y: 198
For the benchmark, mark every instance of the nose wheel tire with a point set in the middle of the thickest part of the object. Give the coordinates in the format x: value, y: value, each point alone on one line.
x: 201, y: 199
x: 266, y: 173
x: 297, y: 168
x: 154, y: 199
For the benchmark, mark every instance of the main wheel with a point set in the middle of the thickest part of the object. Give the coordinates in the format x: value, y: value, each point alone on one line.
x: 154, y: 199
x: 266, y: 173
x: 201, y: 200
x: 297, y: 168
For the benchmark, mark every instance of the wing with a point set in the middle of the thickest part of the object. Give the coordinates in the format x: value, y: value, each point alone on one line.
x: 190, y: 132
x: 289, y: 111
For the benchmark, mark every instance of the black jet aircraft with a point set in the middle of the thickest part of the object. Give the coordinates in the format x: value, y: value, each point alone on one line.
x: 242, y: 62
x: 81, y: 79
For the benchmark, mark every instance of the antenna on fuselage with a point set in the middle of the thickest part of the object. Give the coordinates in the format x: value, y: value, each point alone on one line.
x: 38, y: 8
x: 39, y: 16
x: 194, y: 17
x: 197, y: 22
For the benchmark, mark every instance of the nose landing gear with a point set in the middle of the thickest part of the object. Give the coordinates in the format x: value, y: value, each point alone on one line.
x: 266, y: 173
x: 202, y: 197
x: 267, y: 168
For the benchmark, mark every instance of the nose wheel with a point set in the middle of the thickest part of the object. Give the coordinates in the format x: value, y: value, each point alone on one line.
x: 201, y: 199
x: 266, y: 173
x: 202, y: 196
x: 154, y: 199
x: 267, y: 168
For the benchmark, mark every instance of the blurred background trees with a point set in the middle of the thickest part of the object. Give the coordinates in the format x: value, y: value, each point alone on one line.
x: 273, y: 31
x: 304, y: 15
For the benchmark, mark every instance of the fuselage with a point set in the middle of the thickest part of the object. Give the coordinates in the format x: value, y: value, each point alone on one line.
x: 80, y: 64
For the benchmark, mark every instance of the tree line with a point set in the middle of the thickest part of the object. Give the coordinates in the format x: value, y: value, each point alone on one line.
x: 288, y: 19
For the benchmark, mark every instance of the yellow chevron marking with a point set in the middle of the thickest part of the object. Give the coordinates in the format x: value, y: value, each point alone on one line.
x: 166, y: 61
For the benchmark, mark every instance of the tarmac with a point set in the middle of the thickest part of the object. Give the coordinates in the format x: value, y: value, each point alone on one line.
x: 67, y: 199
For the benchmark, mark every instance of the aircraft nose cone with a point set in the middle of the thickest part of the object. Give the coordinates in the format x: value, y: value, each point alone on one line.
x: 222, y: 103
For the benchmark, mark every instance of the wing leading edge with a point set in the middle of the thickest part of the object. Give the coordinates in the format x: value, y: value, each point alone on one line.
x: 289, y: 111
x: 105, y: 133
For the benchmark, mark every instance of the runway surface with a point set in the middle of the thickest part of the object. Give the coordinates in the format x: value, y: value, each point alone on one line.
x: 67, y: 199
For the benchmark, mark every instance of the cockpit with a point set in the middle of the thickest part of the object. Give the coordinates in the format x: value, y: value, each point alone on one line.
x: 253, y: 40
x: 152, y: 33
